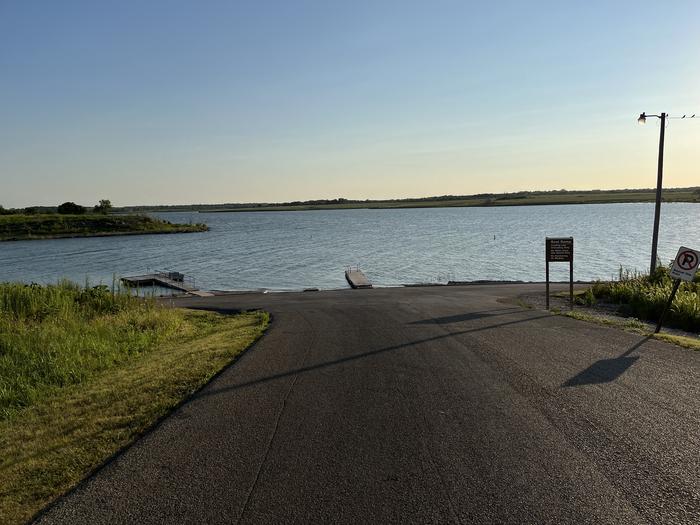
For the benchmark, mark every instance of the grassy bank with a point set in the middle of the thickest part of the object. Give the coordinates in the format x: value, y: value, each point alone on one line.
x: 644, y: 297
x: 523, y: 198
x: 83, y: 372
x: 48, y: 226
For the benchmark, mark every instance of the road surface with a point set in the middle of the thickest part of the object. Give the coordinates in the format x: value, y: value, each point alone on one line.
x: 418, y: 405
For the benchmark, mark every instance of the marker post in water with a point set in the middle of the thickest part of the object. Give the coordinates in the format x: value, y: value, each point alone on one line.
x: 560, y: 249
x: 684, y: 267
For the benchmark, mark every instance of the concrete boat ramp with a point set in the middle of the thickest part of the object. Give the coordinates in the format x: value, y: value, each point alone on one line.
x: 441, y: 404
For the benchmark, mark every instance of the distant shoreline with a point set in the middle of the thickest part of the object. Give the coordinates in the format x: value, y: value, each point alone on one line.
x: 97, y: 234
x: 419, y: 206
x: 481, y: 200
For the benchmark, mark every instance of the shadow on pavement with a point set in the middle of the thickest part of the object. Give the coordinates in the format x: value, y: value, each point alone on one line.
x: 216, y: 309
x: 469, y: 316
x: 363, y: 355
x: 606, y: 370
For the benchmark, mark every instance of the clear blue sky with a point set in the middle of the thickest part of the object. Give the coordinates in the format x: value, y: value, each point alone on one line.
x: 182, y: 102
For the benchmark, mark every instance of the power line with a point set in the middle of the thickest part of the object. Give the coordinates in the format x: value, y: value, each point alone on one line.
x: 684, y: 116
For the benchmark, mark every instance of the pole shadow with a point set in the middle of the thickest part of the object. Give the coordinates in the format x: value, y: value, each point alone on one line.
x: 470, y: 316
x: 355, y: 357
x: 606, y: 370
x: 224, y: 310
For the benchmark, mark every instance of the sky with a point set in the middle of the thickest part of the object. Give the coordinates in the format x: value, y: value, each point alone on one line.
x: 166, y: 102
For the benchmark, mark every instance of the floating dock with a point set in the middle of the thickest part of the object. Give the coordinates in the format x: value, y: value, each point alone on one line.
x: 172, y: 280
x: 356, y: 278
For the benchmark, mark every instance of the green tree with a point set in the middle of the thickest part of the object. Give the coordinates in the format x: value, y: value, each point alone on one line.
x: 70, y: 208
x: 104, y: 206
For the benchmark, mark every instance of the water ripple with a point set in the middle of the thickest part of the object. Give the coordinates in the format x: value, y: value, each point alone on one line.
x: 293, y: 250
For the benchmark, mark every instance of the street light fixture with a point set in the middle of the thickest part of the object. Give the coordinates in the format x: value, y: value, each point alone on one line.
x: 659, y: 180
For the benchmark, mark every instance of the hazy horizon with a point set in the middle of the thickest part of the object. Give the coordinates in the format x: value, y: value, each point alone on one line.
x: 223, y: 102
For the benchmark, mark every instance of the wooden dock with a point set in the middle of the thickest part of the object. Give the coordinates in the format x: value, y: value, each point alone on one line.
x: 356, y: 278
x: 172, y: 280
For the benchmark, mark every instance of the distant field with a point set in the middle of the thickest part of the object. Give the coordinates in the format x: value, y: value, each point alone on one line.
x: 49, y: 226
x: 498, y: 200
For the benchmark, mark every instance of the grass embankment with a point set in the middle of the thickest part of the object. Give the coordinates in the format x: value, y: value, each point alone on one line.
x: 83, y: 372
x: 50, y: 226
x: 645, y: 296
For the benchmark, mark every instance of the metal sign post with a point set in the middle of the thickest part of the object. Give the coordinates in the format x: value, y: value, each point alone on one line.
x: 684, y: 267
x: 560, y: 249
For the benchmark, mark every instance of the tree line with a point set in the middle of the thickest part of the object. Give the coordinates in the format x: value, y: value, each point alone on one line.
x: 67, y: 208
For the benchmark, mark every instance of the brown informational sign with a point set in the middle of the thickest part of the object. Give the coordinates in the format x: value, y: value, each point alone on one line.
x: 560, y: 249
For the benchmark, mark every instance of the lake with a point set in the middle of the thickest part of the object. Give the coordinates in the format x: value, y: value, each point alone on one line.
x: 296, y: 250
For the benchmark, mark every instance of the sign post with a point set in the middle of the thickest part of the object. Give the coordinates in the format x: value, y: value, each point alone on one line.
x: 560, y: 249
x: 684, y: 267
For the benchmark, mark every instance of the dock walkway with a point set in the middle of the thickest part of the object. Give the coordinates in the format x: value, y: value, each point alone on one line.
x: 356, y: 278
x: 170, y: 280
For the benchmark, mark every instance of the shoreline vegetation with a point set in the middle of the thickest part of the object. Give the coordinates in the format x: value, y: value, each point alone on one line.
x: 644, y: 297
x: 84, y: 371
x: 634, y: 302
x: 18, y: 227
x: 524, y: 198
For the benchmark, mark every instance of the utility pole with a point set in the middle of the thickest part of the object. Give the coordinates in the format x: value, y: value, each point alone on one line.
x: 659, y: 184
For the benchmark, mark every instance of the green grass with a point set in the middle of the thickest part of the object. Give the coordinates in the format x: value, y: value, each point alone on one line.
x: 644, y: 296
x: 680, y: 340
x: 47, y: 226
x: 628, y: 324
x: 58, y: 335
x: 83, y: 372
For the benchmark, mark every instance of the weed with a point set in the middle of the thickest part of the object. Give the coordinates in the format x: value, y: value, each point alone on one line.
x: 58, y: 335
x: 57, y: 440
x: 84, y: 370
x: 645, y: 296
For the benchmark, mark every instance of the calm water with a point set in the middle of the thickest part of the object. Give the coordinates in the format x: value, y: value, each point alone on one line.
x: 294, y: 250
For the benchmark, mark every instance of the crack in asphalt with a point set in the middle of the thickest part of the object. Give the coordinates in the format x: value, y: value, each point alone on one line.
x: 275, y: 429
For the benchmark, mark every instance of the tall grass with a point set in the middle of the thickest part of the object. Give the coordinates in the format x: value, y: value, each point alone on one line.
x: 107, y: 367
x: 58, y: 335
x: 645, y: 296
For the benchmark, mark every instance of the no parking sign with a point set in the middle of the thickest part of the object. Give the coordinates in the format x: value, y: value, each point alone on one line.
x: 684, y: 267
x: 685, y: 264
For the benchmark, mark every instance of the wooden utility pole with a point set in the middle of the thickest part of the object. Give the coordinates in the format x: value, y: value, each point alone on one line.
x: 659, y: 184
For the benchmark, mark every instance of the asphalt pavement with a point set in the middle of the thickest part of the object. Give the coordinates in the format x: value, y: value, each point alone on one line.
x: 418, y: 405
